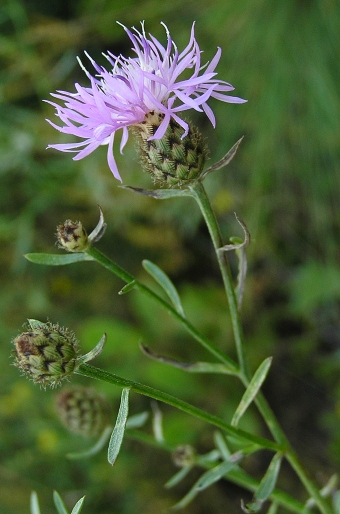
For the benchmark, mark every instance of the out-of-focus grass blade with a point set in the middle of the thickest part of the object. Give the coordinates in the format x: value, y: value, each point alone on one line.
x: 119, y: 428
x: 175, y: 479
x: 58, y: 502
x: 137, y: 421
x: 34, y: 504
x: 252, y: 390
x: 95, y: 448
x: 50, y: 259
x: 164, y: 281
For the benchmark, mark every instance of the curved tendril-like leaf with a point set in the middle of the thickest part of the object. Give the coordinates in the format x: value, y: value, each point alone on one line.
x: 78, y: 506
x: 50, y: 259
x: 95, y: 448
x: 99, y: 230
x: 94, y: 352
x: 195, y: 367
x: 34, y: 503
x: 166, y: 284
x: 119, y: 428
x: 252, y: 390
x: 159, y: 194
x: 225, y: 160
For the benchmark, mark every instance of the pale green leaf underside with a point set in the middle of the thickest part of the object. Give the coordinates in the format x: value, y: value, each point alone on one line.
x: 50, y: 259
x: 119, y: 428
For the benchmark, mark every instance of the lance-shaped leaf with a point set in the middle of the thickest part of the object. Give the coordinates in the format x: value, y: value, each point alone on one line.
x: 191, y: 367
x: 267, y: 485
x: 252, y: 390
x: 119, y: 428
x: 94, y: 352
x: 128, y: 287
x: 159, y: 194
x: 164, y: 281
x: 207, y: 479
x: 34, y: 503
x: 58, y: 502
x: 225, y: 160
x: 95, y: 448
x: 50, y: 259
x: 78, y: 506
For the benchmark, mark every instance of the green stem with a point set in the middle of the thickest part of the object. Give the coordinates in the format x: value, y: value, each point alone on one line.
x: 129, y: 279
x: 92, y: 372
x: 203, y: 201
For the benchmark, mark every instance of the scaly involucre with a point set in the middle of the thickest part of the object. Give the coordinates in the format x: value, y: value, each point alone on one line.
x: 135, y: 87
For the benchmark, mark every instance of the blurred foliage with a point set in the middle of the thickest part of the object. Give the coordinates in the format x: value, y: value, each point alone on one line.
x: 284, y: 182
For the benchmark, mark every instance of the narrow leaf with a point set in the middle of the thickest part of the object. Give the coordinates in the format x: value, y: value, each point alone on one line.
x: 269, y: 480
x: 50, y: 259
x: 208, y: 478
x: 99, y: 445
x: 99, y: 230
x: 137, y: 421
x: 159, y: 194
x: 225, y: 160
x: 213, y: 475
x: 58, y: 502
x: 78, y: 506
x: 196, y: 367
x: 221, y: 444
x: 34, y: 503
x: 252, y: 390
x: 94, y: 352
x: 164, y: 281
x: 157, y: 422
x: 127, y: 287
x: 176, y: 479
x: 119, y: 429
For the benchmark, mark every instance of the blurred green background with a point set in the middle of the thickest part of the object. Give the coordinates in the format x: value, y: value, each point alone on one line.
x: 284, y: 58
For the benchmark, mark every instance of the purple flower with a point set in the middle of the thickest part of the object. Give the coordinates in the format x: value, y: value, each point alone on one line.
x: 135, y: 87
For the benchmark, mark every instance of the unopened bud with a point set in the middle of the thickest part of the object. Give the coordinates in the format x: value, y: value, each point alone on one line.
x: 171, y: 160
x: 83, y: 410
x: 184, y: 456
x: 46, y: 353
x: 72, y: 236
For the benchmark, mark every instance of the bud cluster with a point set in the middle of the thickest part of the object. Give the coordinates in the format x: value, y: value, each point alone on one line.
x: 46, y: 353
x: 171, y: 160
x: 83, y: 410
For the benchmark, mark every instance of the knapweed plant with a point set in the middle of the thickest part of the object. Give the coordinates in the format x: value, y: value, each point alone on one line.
x: 146, y: 96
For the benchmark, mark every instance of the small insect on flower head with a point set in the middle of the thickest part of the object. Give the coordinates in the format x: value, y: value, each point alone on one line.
x: 145, y: 92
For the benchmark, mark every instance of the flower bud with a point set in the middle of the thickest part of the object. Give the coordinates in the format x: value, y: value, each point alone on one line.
x: 171, y: 160
x: 72, y: 236
x: 184, y: 456
x: 83, y: 410
x: 46, y: 353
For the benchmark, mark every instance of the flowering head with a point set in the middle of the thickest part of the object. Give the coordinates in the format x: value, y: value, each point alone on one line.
x: 83, y: 410
x: 46, y: 353
x: 137, y: 88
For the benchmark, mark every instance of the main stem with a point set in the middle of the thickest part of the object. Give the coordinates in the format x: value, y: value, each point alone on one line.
x: 203, y: 201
